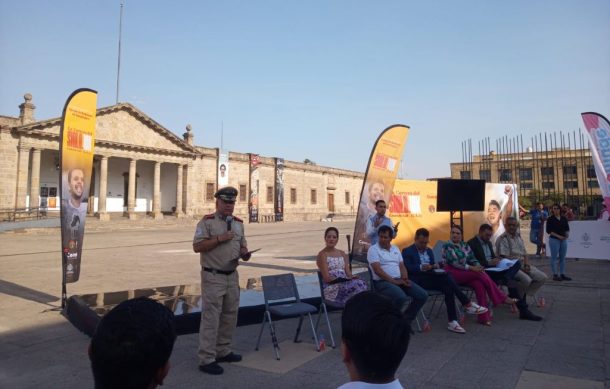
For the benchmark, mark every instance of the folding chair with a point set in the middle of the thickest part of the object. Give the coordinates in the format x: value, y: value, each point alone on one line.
x: 323, y: 304
x: 282, y: 300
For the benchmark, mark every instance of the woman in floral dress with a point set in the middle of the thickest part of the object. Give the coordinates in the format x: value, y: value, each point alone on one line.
x: 338, y: 282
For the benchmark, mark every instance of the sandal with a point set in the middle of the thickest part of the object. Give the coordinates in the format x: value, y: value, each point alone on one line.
x: 510, y: 301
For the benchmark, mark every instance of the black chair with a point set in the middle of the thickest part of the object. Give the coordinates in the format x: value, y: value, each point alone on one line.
x: 324, y: 303
x: 282, y: 300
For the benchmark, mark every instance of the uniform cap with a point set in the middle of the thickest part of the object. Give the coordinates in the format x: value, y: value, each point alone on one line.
x: 226, y: 194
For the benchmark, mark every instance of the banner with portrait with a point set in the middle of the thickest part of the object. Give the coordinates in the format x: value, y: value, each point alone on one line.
x: 76, y: 147
x: 598, y: 131
x: 413, y: 204
x: 223, y: 168
x: 279, y: 189
x: 379, y: 178
x: 254, y: 183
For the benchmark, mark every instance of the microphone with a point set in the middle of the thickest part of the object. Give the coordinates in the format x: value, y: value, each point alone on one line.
x: 229, y: 221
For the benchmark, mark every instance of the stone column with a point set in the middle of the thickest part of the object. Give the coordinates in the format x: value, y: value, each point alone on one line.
x: 179, y: 212
x: 22, y: 176
x: 131, y: 200
x: 185, y: 185
x: 101, y: 205
x: 35, y: 179
x: 157, y: 192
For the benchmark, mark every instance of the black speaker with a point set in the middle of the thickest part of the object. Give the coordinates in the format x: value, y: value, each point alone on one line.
x: 460, y: 195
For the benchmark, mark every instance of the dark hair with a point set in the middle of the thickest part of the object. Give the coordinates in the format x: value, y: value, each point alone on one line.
x: 555, y: 205
x: 422, y: 232
x: 376, y: 334
x: 384, y: 228
x: 329, y: 229
x: 131, y: 343
x: 511, y: 218
x: 378, y: 202
x: 485, y: 227
x: 495, y: 203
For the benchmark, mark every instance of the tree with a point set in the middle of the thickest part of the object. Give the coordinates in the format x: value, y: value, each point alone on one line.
x: 308, y: 161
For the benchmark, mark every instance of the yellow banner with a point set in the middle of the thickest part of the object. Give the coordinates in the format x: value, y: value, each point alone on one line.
x: 379, y: 181
x: 413, y: 204
x: 77, y: 144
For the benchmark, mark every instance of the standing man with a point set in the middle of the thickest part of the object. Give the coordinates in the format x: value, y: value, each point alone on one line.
x: 377, y: 220
x: 539, y: 216
x: 510, y: 245
x: 221, y: 242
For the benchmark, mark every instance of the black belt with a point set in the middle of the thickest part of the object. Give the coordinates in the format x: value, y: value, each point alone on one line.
x: 214, y: 271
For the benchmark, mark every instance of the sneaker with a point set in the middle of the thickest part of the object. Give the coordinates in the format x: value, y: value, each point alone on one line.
x: 557, y: 278
x: 565, y: 278
x: 212, y: 368
x: 454, y: 326
x: 475, y: 309
x: 230, y: 357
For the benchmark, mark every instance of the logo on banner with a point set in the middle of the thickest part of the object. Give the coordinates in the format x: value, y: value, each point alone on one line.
x: 385, y: 162
x: 586, y: 241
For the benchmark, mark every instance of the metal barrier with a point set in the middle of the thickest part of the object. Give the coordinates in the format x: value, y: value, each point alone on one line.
x: 14, y: 214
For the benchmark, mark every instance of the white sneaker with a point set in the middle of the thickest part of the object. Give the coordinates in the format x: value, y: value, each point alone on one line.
x: 475, y: 309
x: 454, y: 326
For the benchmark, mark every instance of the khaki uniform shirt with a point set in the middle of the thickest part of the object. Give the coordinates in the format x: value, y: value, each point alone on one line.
x: 225, y: 256
x: 511, y: 247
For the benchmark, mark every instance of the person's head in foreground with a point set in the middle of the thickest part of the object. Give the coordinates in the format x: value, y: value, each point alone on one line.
x: 132, y: 345
x: 375, y: 338
x: 385, y: 236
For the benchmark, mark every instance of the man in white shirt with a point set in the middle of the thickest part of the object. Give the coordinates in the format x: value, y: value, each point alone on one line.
x: 374, y: 340
x: 390, y: 276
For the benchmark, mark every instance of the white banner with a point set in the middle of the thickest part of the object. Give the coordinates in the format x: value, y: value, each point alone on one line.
x: 223, y: 168
x: 588, y: 240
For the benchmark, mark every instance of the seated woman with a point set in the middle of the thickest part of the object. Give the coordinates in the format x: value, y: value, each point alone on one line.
x: 466, y: 270
x: 338, y: 282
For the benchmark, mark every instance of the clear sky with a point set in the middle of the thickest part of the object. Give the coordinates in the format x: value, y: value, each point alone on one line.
x: 319, y: 79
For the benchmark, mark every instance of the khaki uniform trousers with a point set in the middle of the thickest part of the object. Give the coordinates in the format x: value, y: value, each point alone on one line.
x: 220, y: 297
x: 529, y: 283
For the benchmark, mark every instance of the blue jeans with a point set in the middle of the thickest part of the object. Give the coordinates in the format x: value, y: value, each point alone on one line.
x: 558, y: 249
x: 399, y: 295
x: 534, y: 238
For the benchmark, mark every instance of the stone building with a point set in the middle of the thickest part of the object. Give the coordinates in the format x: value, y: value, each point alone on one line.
x: 142, y: 168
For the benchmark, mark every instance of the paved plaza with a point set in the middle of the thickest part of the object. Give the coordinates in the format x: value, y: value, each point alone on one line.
x: 570, y: 348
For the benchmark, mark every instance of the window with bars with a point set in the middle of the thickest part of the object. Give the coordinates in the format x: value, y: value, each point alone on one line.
x: 505, y: 174
x: 209, y: 191
x: 347, y: 198
x: 548, y: 185
x: 591, y: 172
x: 527, y: 185
x: 593, y: 184
x: 547, y: 172
x: 465, y: 175
x: 569, y: 171
x: 570, y: 184
x: 269, y: 194
x: 526, y: 174
x: 243, y: 193
x: 314, y: 196
x: 485, y: 175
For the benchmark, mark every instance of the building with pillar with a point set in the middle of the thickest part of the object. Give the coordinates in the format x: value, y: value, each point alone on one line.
x: 141, y: 168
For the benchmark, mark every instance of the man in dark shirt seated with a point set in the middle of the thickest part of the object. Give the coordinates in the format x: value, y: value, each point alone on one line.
x: 419, y: 261
x: 483, y: 251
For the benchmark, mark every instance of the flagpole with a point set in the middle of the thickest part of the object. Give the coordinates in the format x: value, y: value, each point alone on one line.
x: 118, y: 72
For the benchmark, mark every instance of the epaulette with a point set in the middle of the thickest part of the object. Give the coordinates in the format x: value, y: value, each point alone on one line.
x: 210, y: 216
x: 237, y: 219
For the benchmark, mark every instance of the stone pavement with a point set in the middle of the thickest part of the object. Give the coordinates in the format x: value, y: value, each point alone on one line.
x: 39, y: 348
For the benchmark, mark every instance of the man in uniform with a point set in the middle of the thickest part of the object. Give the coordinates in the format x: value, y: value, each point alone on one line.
x: 221, y: 242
